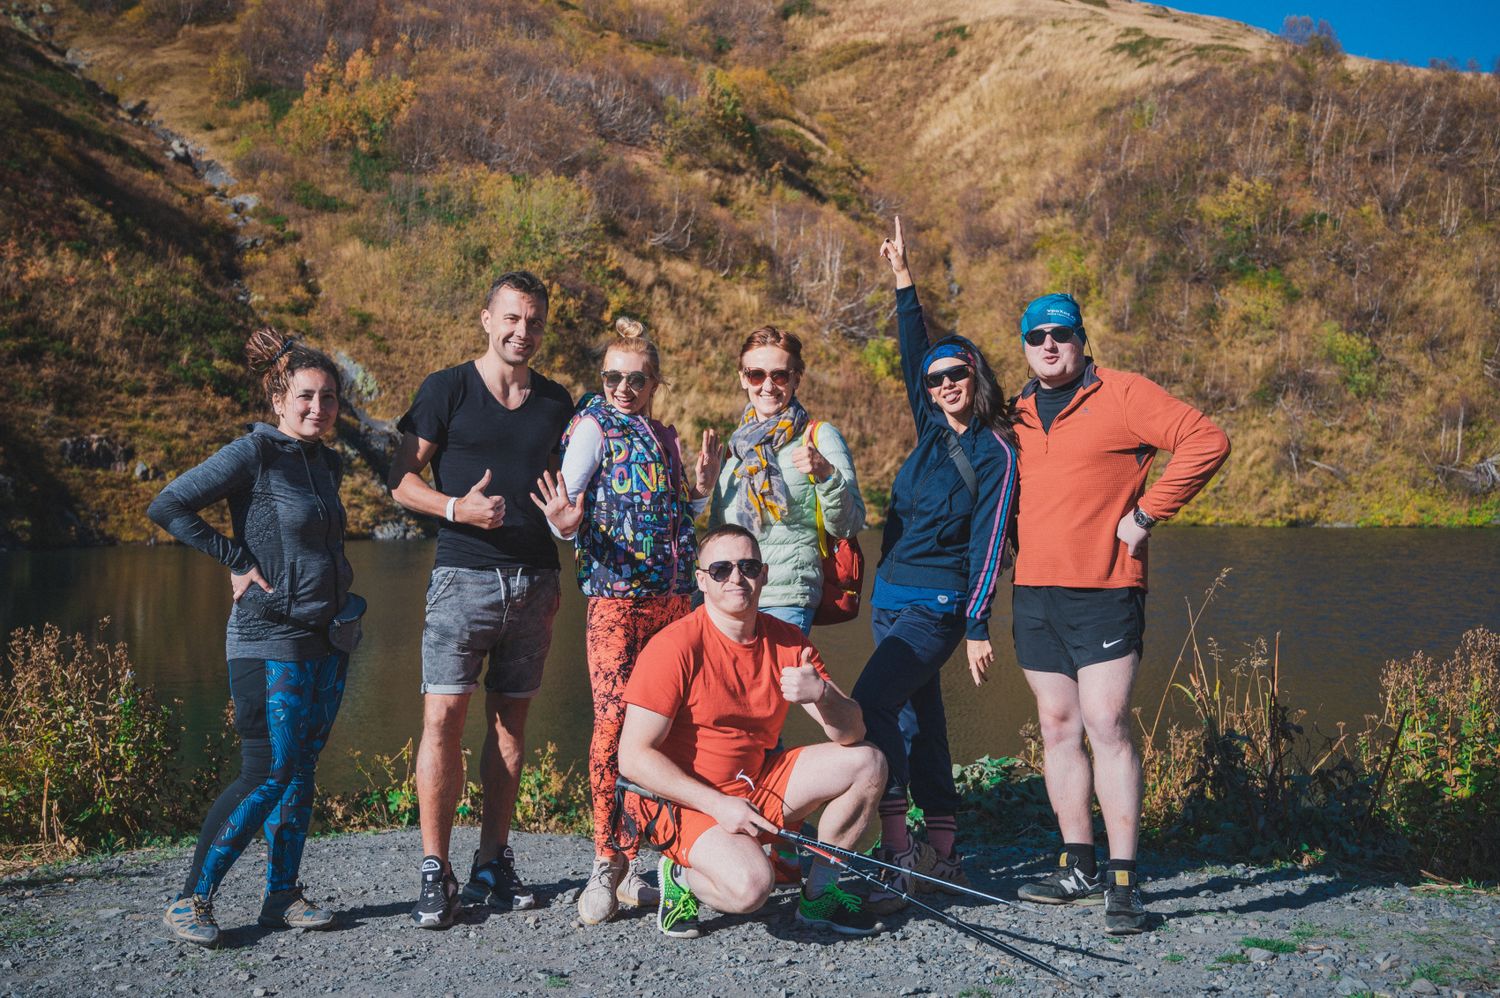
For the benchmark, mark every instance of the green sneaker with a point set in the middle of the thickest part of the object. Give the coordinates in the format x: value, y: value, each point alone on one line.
x: 191, y: 919
x: 677, y: 910
x: 838, y: 910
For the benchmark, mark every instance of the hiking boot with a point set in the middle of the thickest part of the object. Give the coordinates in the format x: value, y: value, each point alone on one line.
x: 949, y: 868
x: 290, y: 909
x: 1124, y: 912
x: 1065, y: 885
x: 887, y: 898
x: 597, y: 902
x: 838, y: 910
x: 191, y: 919
x: 677, y: 911
x: 635, y: 890
x: 495, y: 884
x: 437, y: 905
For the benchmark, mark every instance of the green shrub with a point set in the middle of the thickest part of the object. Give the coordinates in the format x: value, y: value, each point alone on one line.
x: 88, y: 756
x: 1355, y: 358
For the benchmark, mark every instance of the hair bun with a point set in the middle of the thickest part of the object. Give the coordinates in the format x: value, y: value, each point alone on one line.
x: 265, y: 347
x: 630, y: 329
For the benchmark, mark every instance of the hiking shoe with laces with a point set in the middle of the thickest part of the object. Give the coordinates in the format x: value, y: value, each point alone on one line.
x: 597, y: 902
x: 838, y: 910
x: 437, y: 905
x: 635, y: 890
x: 949, y: 868
x: 887, y: 898
x: 496, y: 884
x: 290, y: 909
x: 1124, y: 911
x: 191, y: 919
x: 677, y: 911
x: 1065, y: 885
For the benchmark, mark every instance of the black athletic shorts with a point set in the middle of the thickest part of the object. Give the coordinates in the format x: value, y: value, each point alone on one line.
x: 1058, y: 629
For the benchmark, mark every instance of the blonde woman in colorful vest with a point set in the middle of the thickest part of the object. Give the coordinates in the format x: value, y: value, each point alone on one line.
x: 783, y: 468
x: 627, y: 501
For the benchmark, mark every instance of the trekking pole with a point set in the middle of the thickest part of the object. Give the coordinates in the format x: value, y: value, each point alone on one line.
x: 822, y: 849
x: 803, y: 840
x: 968, y: 928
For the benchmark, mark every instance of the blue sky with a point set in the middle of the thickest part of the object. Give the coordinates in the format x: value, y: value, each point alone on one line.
x: 1382, y: 29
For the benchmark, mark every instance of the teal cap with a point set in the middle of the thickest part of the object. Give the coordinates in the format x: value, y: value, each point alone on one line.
x: 1052, y: 310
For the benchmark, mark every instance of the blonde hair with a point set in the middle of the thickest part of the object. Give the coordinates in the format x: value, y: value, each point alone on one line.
x: 629, y: 336
x: 276, y: 357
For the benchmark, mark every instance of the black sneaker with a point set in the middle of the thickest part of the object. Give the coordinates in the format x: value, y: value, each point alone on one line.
x: 496, y: 884
x: 1124, y: 912
x: 1065, y: 885
x: 437, y: 905
x: 838, y: 910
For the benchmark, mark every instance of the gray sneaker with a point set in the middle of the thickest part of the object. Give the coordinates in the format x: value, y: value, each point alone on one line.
x: 191, y: 919
x: 887, y: 898
x: 635, y: 890
x: 597, y: 903
x: 290, y: 909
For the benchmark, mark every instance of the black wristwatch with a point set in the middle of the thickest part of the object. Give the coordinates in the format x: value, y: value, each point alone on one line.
x: 1144, y: 520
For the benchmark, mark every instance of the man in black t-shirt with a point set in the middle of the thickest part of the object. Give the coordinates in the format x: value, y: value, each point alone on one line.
x: 488, y: 428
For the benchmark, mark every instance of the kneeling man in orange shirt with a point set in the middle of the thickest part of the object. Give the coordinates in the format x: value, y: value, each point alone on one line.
x: 704, y: 712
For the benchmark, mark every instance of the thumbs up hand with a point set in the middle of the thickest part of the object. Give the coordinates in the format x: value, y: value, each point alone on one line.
x: 478, y: 509
x: 802, y: 684
x: 810, y: 461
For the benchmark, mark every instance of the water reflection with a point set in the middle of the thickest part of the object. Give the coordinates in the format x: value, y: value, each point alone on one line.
x: 1344, y: 601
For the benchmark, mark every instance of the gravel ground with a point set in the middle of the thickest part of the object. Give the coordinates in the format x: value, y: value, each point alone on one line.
x: 93, y: 928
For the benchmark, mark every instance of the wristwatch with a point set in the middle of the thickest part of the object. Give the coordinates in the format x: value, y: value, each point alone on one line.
x: 1143, y: 519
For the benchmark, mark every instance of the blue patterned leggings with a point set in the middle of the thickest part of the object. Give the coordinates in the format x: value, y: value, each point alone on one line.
x: 283, y: 712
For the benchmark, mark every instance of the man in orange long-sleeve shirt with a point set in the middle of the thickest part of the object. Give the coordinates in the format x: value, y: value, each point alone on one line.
x: 1088, y: 436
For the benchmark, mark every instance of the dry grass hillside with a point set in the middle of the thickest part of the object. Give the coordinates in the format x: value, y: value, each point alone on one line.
x: 1242, y: 219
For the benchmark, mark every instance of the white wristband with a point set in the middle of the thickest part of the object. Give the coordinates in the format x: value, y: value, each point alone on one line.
x: 448, y: 513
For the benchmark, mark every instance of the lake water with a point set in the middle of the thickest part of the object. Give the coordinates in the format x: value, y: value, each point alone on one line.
x: 1343, y: 601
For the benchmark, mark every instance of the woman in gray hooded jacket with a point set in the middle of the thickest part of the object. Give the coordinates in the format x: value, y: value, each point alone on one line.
x: 289, y: 577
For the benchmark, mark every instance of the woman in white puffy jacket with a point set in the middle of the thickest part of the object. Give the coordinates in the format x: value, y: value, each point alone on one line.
x: 783, y: 469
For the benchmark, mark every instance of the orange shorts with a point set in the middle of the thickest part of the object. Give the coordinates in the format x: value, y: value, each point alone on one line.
x: 677, y: 828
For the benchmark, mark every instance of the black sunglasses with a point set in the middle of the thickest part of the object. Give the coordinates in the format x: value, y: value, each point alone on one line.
x: 956, y: 374
x: 1059, y: 334
x: 635, y: 380
x: 750, y: 568
x: 756, y: 376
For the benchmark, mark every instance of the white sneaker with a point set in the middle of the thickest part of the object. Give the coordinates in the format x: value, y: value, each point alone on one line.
x: 597, y: 903
x: 635, y: 890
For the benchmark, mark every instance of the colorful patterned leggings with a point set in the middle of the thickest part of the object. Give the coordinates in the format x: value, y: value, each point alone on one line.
x: 283, y: 712
x: 616, y: 632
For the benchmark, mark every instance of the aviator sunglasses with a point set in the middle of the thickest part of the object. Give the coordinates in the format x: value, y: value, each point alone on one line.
x: 1059, y: 334
x: 756, y: 376
x: 750, y: 568
x: 957, y: 374
x: 635, y: 380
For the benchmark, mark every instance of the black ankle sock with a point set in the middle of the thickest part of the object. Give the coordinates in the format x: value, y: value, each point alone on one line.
x: 1081, y: 855
x: 1122, y: 866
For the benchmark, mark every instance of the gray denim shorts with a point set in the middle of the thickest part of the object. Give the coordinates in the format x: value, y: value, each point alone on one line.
x: 503, y: 614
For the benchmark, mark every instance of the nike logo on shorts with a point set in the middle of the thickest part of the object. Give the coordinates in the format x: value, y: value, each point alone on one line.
x: 1111, y: 644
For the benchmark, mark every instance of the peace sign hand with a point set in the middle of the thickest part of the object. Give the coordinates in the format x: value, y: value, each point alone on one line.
x: 560, y: 511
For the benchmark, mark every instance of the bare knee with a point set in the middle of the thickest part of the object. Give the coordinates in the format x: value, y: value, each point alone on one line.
x: 1061, y: 725
x: 744, y: 888
x: 867, y: 770
x: 1109, y: 733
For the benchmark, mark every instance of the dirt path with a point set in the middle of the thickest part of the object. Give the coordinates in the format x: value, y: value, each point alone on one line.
x: 92, y: 928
